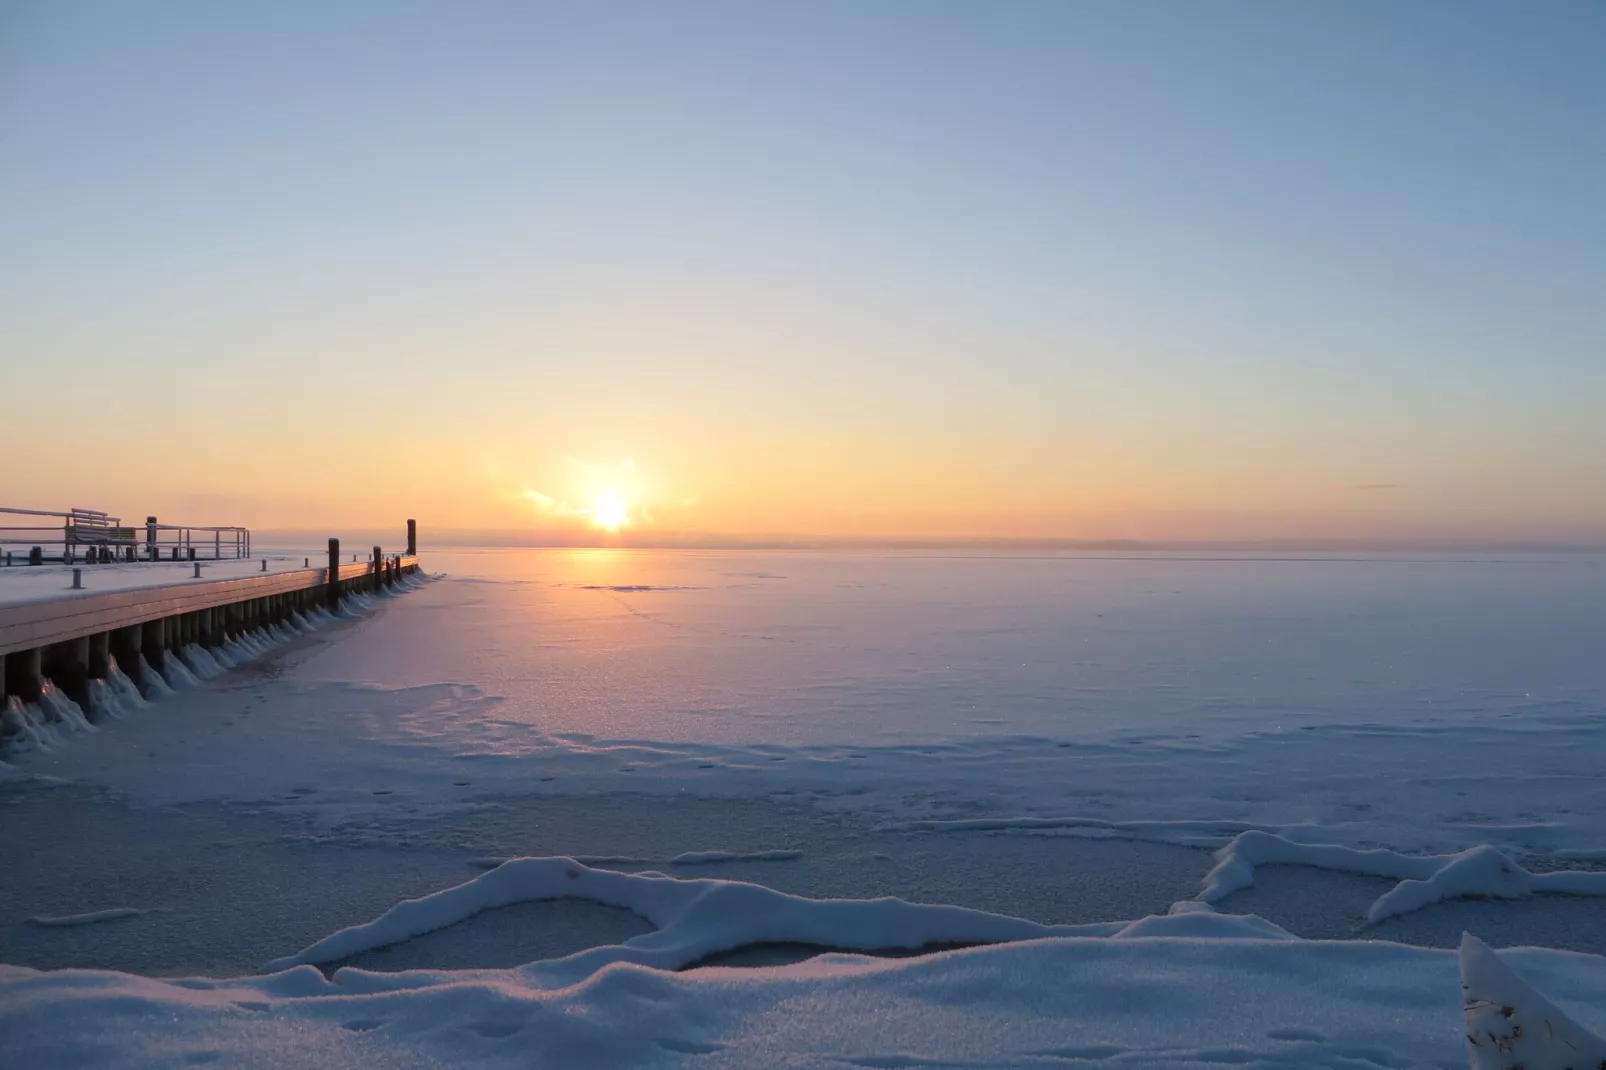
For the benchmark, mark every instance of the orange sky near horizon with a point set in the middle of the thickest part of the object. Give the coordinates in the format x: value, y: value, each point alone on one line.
x: 826, y: 485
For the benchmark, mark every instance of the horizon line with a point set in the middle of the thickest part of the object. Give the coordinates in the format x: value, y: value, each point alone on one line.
x: 510, y: 538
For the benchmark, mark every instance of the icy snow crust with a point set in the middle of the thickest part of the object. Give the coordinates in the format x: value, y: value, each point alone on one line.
x: 111, y: 914
x: 1205, y: 991
x: 695, y: 918
x: 1188, y: 989
x: 1290, y: 727
x: 1424, y: 879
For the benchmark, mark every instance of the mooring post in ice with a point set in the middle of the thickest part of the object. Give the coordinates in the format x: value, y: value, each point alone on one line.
x: 332, y: 592
x: 379, y: 559
x: 412, y: 538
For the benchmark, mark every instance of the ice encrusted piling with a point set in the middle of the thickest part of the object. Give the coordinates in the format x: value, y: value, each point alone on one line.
x: 44, y: 722
x: 1510, y: 1025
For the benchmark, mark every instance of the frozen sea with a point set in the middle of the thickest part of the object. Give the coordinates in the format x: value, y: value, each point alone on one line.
x: 1424, y: 703
x: 811, y: 649
x: 1375, y: 747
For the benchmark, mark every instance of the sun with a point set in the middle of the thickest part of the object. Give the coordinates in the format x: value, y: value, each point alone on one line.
x: 609, y: 511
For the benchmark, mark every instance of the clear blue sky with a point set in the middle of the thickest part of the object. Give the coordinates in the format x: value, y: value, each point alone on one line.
x: 997, y: 268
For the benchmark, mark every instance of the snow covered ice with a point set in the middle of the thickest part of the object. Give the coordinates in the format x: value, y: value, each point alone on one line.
x: 1405, y: 704
x: 1403, y: 721
x: 1162, y: 1001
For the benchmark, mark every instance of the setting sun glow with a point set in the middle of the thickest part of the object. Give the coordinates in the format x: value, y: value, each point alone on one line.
x: 609, y: 511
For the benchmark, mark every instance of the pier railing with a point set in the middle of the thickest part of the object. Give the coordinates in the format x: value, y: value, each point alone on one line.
x: 182, y: 542
x: 92, y: 536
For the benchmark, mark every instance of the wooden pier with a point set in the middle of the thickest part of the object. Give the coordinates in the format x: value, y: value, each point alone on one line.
x: 71, y: 640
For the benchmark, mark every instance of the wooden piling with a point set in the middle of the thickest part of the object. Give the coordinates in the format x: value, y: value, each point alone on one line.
x: 67, y: 666
x: 25, y: 674
x: 125, y: 646
x: 98, y: 664
x: 334, y: 575
x: 153, y: 644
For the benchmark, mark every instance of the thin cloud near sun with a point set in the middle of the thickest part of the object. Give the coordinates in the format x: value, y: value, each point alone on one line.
x: 609, y: 496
